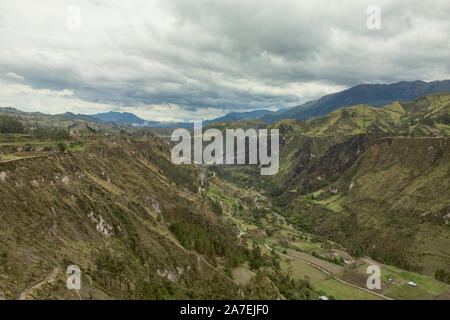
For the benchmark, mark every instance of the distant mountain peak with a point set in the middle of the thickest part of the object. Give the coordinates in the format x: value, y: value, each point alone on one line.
x: 121, y: 117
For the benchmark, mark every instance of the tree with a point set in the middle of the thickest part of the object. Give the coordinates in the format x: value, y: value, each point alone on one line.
x: 255, y: 257
x: 10, y: 125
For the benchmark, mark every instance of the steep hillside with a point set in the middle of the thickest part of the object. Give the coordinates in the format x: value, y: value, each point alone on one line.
x: 138, y: 226
x: 315, y: 152
x: 392, y: 204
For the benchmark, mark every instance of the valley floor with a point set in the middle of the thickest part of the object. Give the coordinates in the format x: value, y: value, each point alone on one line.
x: 330, y: 270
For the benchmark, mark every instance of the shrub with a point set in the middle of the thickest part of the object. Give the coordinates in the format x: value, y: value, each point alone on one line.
x: 216, y: 207
x: 443, y: 275
x: 61, y: 146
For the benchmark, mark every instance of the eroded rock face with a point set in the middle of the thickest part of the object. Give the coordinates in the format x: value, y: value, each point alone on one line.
x: 154, y: 204
x: 312, y: 172
x: 173, y: 276
x: 447, y: 218
x: 350, y: 187
x: 170, y: 275
x: 101, y: 224
x: 3, y: 176
x: 199, y: 264
x: 65, y: 180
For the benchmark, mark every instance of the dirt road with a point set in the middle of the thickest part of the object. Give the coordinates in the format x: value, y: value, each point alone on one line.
x: 331, y: 274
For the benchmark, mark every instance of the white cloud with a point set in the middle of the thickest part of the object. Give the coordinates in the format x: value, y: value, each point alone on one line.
x: 46, y: 100
x: 14, y: 76
x: 189, y: 59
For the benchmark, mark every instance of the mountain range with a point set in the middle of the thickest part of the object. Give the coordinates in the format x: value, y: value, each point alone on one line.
x: 375, y: 95
x: 132, y: 119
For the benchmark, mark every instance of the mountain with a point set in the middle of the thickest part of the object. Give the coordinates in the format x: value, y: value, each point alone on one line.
x: 237, y: 116
x: 76, y: 117
x: 121, y: 117
x: 375, y: 95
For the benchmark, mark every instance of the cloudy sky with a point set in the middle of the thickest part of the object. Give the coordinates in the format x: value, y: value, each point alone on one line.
x: 185, y: 60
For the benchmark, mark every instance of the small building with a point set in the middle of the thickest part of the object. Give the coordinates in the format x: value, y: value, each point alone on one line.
x: 412, y: 284
x: 323, y: 298
x: 391, y: 280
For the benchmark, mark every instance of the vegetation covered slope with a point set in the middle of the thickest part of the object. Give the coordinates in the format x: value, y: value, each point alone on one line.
x: 399, y: 156
x: 418, y: 117
x: 117, y: 207
x: 391, y: 204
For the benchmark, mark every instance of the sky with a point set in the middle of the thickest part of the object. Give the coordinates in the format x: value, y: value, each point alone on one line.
x: 190, y: 60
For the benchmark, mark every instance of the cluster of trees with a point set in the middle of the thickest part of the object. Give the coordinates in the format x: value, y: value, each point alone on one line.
x: 195, y: 237
x: 56, y: 134
x: 208, y: 241
x: 290, y: 288
x: 255, y: 258
x: 443, y: 275
x: 110, y: 270
x: 10, y: 125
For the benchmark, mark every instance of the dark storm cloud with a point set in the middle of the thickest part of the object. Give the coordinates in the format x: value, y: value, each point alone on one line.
x: 190, y: 59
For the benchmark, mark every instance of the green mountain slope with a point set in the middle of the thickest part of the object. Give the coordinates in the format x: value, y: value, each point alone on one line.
x: 391, y: 204
x: 396, y: 161
x: 421, y: 116
x: 376, y: 95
